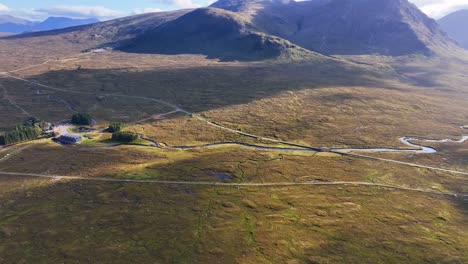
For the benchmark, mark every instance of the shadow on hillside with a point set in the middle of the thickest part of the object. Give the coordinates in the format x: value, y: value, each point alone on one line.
x: 204, y: 88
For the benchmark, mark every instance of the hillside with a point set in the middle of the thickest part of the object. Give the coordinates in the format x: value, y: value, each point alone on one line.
x: 52, y: 23
x: 215, y: 33
x: 387, y: 27
x: 21, y: 49
x: 455, y: 24
x: 250, y: 148
x: 11, y: 24
x: 265, y: 29
x: 259, y: 29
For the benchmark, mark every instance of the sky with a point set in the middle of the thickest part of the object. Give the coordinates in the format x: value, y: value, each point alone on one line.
x: 108, y: 9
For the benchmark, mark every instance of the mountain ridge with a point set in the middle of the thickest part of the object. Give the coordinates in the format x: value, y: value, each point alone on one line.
x: 230, y: 37
x: 15, y: 25
x: 367, y: 26
x: 267, y: 29
x: 455, y: 26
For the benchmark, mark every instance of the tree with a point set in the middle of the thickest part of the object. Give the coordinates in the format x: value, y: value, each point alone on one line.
x: 20, y: 134
x: 81, y: 119
x: 115, y: 127
x: 124, y: 136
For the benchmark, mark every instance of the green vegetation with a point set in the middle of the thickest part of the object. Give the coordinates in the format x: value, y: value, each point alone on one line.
x: 19, y: 134
x: 82, y: 119
x: 333, y: 103
x: 189, y: 224
x: 124, y: 136
x: 115, y: 127
x: 32, y: 121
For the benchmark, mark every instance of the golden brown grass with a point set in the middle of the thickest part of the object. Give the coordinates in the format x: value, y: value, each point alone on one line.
x: 121, y: 223
x: 331, y: 103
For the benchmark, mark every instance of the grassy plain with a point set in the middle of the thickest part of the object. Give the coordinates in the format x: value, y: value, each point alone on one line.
x: 331, y: 103
x: 370, y: 102
x: 80, y: 221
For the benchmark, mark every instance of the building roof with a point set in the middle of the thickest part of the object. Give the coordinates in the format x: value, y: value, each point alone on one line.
x: 69, y: 138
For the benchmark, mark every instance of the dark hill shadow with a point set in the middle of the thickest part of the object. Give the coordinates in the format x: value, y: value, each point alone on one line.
x: 203, y: 88
x: 215, y: 33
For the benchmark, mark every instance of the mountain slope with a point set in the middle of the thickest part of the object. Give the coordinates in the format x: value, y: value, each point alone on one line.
x: 216, y: 33
x: 455, y: 24
x: 11, y: 24
x: 264, y: 29
x: 111, y: 30
x: 78, y: 39
x: 52, y: 23
x: 388, y: 27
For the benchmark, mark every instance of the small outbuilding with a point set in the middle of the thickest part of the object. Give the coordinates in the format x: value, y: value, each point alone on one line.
x: 69, y: 139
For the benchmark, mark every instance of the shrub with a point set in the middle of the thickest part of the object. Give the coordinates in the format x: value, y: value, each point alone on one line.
x: 20, y: 134
x: 115, y: 127
x: 81, y: 119
x: 124, y: 136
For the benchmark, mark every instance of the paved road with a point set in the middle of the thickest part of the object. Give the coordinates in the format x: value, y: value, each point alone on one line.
x: 226, y: 184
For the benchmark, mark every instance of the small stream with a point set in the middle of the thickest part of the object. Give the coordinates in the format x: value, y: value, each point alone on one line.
x: 409, y: 141
x: 418, y: 148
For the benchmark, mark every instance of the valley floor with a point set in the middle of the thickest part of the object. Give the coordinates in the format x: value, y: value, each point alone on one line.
x: 275, y: 196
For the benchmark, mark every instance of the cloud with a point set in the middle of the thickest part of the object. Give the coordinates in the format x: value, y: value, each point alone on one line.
x: 4, y: 8
x: 138, y: 11
x: 440, y: 8
x: 28, y: 14
x: 178, y: 3
x: 81, y: 12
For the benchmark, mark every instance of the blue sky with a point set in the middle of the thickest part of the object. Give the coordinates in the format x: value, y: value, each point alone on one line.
x: 107, y: 9
x: 102, y: 9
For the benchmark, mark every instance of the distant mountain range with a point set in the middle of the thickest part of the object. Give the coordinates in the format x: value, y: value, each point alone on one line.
x: 266, y: 29
x: 456, y: 26
x: 10, y: 24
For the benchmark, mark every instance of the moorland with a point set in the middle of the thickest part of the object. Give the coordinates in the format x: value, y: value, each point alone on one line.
x: 234, y: 162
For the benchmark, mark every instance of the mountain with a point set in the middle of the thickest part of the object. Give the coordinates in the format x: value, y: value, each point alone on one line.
x: 265, y: 29
x: 262, y: 29
x: 388, y: 27
x: 455, y: 24
x: 216, y: 33
x: 62, y: 22
x: 10, y: 24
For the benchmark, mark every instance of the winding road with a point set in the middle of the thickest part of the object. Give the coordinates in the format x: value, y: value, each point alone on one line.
x: 227, y: 184
x: 297, y: 147
x: 404, y: 140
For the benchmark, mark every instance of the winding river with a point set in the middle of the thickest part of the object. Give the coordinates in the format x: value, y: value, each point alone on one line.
x: 409, y: 141
x: 418, y: 148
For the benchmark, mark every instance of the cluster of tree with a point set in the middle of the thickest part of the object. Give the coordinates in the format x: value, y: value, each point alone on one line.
x: 81, y: 119
x: 32, y: 121
x: 123, y: 136
x: 20, y: 134
x: 115, y: 127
